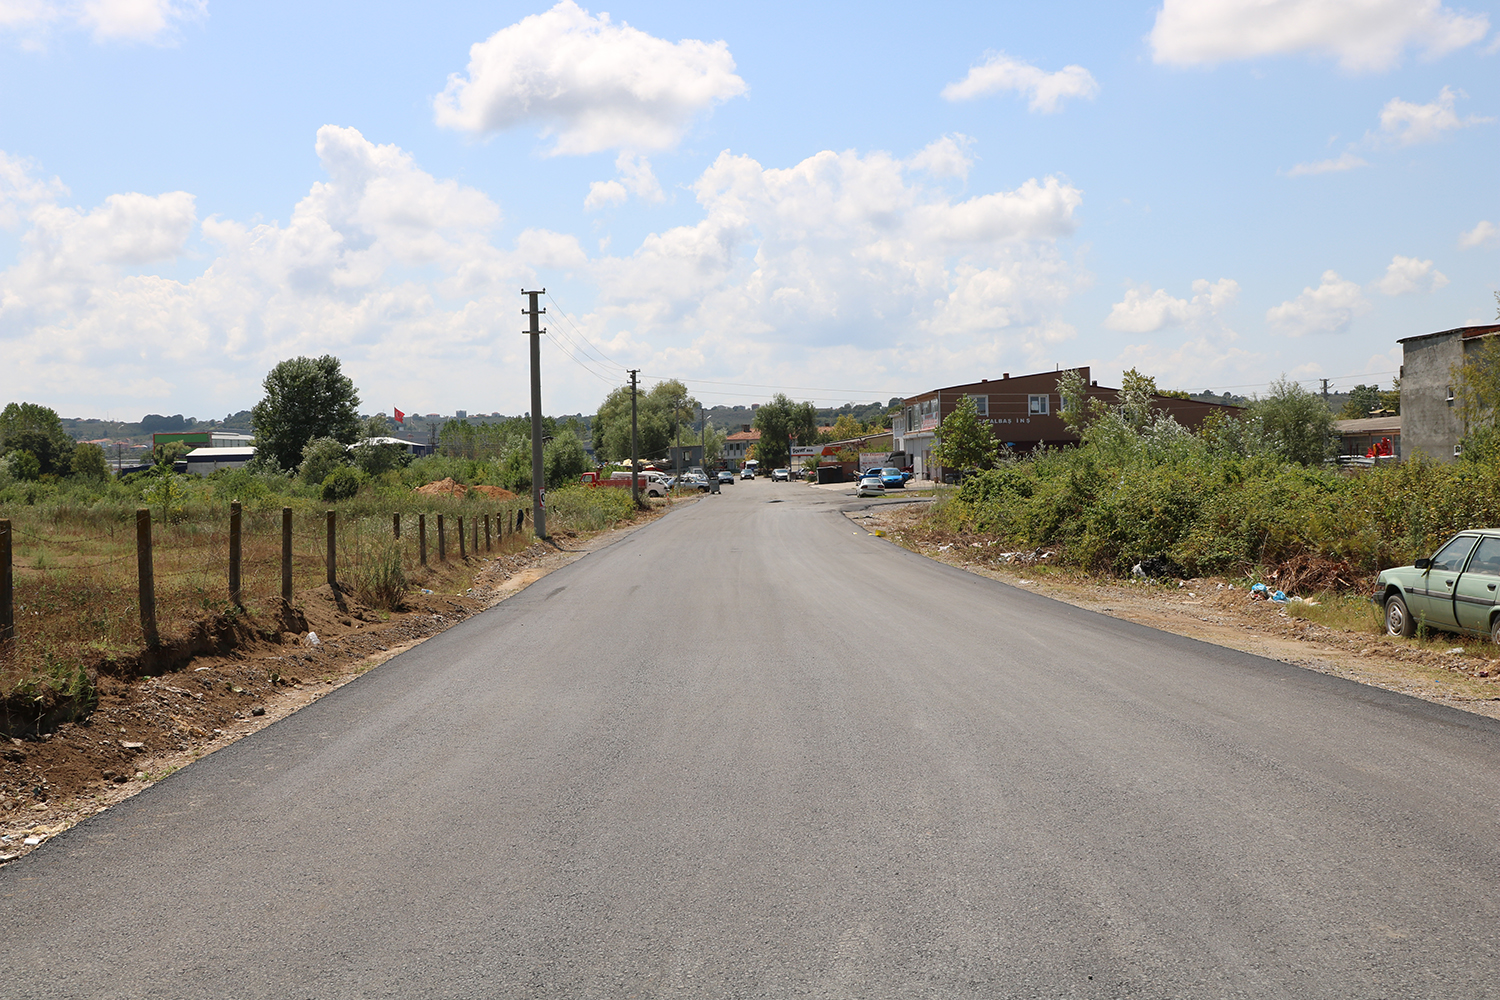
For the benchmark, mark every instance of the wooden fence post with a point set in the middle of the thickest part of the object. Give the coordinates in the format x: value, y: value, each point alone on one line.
x: 442, y: 541
x: 333, y: 576
x: 144, y: 576
x: 396, y: 524
x: 462, y: 552
x: 521, y: 519
x: 475, y: 546
x: 422, y: 537
x: 7, y: 583
x: 286, y: 555
x: 234, y: 554
x: 486, y: 532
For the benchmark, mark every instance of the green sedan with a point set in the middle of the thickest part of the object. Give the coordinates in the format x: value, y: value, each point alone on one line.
x: 1454, y: 591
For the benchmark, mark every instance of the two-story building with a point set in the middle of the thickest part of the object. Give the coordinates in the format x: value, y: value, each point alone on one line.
x: 1022, y: 413
x: 1430, y: 417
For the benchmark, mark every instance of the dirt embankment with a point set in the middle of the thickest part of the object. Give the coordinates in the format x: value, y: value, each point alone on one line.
x: 144, y: 728
x: 1461, y: 672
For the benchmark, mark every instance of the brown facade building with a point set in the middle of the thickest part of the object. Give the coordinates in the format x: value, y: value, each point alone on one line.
x: 1022, y: 413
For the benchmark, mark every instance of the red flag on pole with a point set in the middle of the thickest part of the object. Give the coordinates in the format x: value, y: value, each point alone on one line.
x: 399, y: 416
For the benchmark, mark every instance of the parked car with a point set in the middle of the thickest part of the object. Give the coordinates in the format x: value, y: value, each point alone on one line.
x: 747, y: 473
x: 725, y: 476
x: 871, y: 486
x: 892, y: 478
x: 780, y: 475
x: 1454, y: 591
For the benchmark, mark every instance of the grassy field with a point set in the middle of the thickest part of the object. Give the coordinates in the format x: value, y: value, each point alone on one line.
x: 76, y: 603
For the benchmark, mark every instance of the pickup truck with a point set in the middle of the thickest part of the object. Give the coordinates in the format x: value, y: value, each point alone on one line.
x: 652, y: 485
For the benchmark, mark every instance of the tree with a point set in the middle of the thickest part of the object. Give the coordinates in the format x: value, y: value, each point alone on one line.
x: 320, y: 457
x: 1294, y: 423
x: 1476, y: 388
x: 1362, y: 399
x: 655, y: 410
x: 306, y: 398
x: 964, y: 442
x: 37, y: 429
x: 89, y: 462
x: 779, y: 421
x: 846, y: 428
x: 563, y: 460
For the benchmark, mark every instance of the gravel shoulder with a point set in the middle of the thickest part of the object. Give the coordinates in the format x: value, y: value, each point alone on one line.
x: 1463, y: 673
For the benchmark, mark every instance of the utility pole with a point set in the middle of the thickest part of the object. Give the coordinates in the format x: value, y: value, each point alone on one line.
x: 703, y: 436
x: 1325, y: 392
x: 635, y: 455
x: 538, y: 494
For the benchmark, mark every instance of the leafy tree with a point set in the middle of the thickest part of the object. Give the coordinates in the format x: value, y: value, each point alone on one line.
x: 655, y: 410
x: 779, y: 421
x: 1294, y: 423
x: 89, y: 462
x: 306, y: 398
x: 36, y: 429
x: 515, y: 470
x: 23, y: 465
x: 169, y: 453
x: 1390, y: 399
x: 1476, y: 387
x: 563, y: 460
x: 965, y: 443
x: 320, y: 457
x: 1136, y: 394
x: 846, y: 427
x: 1362, y: 399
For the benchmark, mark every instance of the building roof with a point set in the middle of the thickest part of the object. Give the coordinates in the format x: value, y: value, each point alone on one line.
x: 743, y: 436
x: 1469, y: 332
x: 1370, y: 425
x: 221, y: 454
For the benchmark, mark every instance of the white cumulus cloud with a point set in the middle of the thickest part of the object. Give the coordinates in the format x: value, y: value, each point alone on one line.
x: 1363, y: 35
x: 1144, y: 310
x: 128, y: 20
x: 590, y: 83
x: 1046, y: 90
x: 1329, y: 308
x: 1409, y: 276
x: 1406, y: 124
x: 1485, y: 234
x: 1348, y: 161
x: 945, y: 157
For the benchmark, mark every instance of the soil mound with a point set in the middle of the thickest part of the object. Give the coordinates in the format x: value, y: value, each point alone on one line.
x: 452, y: 488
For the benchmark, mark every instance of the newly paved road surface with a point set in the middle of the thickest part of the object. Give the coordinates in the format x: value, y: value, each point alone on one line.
x: 752, y: 751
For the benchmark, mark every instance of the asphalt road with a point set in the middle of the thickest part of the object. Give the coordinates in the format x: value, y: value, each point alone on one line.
x: 752, y: 751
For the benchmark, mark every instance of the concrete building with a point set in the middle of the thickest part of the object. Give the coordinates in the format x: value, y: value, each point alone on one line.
x: 738, y: 445
x: 1431, y: 422
x: 1022, y: 413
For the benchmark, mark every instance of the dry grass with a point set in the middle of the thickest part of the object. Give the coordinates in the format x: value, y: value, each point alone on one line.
x: 76, y: 596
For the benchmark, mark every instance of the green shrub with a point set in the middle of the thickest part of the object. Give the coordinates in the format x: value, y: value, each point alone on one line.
x: 342, y: 483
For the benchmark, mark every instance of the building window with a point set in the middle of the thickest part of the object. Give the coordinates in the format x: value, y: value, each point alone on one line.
x: 1450, y: 395
x: 981, y: 405
x: 1037, y: 405
x: 1458, y: 450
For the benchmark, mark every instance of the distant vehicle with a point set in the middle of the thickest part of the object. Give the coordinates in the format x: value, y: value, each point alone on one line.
x: 892, y: 478
x: 780, y: 475
x: 748, y: 472
x: 652, y: 485
x: 725, y: 476
x: 870, y: 486
x: 1454, y: 590
x: 692, y: 481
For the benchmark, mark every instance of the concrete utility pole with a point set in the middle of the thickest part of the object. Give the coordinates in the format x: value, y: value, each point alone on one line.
x: 635, y: 454
x: 1325, y: 392
x: 538, y: 494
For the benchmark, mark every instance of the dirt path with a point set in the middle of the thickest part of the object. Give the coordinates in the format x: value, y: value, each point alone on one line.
x: 1460, y: 672
x: 145, y: 729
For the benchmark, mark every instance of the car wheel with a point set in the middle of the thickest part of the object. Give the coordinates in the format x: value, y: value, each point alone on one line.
x: 1398, y: 618
x: 1495, y: 630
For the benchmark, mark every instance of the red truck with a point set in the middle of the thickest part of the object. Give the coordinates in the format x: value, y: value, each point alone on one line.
x: 652, y: 484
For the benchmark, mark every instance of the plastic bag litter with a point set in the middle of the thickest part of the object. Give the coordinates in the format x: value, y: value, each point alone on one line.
x: 313, y: 640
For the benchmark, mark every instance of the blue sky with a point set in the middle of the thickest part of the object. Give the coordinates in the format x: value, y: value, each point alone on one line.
x: 845, y: 202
